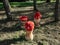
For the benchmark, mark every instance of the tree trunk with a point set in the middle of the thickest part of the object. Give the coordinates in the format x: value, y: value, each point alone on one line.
x: 47, y: 1
x: 7, y: 8
x: 56, y: 10
x: 34, y: 4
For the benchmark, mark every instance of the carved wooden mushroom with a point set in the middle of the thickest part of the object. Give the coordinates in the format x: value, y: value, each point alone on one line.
x: 23, y: 20
x: 29, y: 26
x: 37, y: 18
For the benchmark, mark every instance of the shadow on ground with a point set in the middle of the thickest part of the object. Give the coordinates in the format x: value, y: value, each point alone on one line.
x: 12, y: 41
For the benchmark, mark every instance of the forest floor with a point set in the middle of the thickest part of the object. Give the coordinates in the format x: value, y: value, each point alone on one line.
x: 47, y: 34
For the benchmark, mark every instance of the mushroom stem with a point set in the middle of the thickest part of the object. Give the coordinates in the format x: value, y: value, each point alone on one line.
x: 37, y: 21
x: 29, y: 35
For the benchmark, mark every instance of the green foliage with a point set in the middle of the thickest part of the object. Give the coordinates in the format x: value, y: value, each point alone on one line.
x: 20, y: 4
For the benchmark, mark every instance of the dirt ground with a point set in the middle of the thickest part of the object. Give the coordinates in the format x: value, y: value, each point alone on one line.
x: 47, y: 34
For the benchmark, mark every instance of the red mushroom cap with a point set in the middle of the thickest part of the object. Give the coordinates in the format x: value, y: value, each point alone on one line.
x: 37, y: 15
x: 23, y: 18
x: 29, y: 26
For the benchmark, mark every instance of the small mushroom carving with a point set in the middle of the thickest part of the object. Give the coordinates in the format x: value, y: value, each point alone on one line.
x: 37, y: 18
x: 23, y: 20
x: 29, y: 26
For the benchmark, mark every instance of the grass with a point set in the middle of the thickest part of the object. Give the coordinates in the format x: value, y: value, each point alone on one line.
x: 21, y: 4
